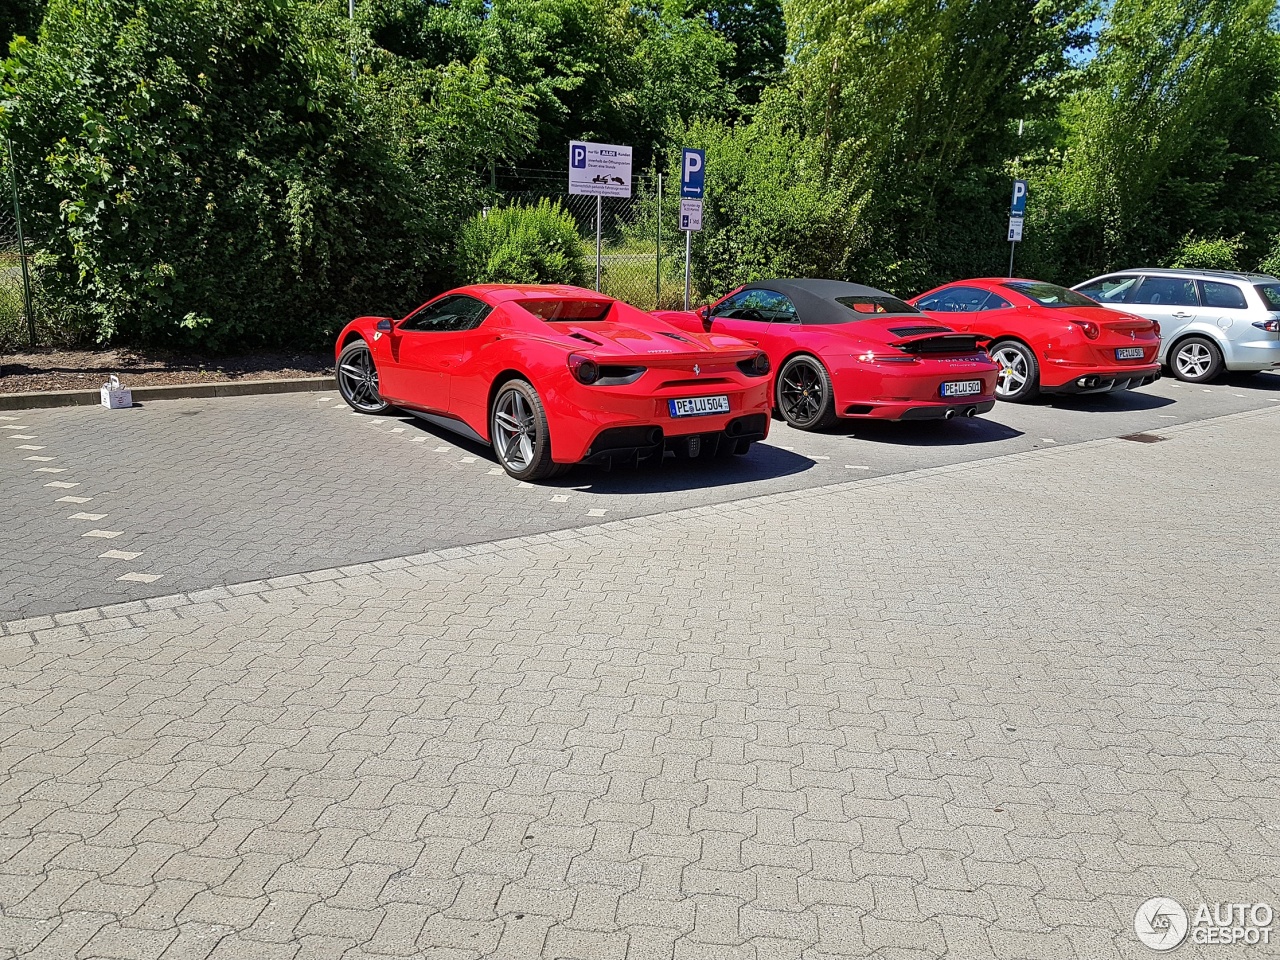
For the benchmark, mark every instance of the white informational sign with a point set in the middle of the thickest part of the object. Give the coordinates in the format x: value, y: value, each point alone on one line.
x: 1015, y: 229
x: 599, y: 169
x: 691, y: 215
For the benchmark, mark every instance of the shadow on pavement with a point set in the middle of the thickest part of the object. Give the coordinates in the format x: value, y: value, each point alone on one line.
x: 764, y: 462
x: 1122, y: 401
x: 928, y: 433
x: 1265, y: 382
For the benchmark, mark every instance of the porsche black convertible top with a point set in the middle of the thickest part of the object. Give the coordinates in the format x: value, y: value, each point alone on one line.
x: 834, y: 301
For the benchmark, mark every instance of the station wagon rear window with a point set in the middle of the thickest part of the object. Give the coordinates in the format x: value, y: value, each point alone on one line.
x: 1270, y: 294
x: 578, y: 311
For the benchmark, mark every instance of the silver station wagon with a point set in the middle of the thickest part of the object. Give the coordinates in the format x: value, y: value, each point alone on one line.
x: 1210, y: 320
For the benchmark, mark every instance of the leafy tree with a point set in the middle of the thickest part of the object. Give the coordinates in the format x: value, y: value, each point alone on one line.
x: 758, y: 33
x: 522, y: 244
x: 1208, y: 253
x: 209, y: 172
x: 19, y: 18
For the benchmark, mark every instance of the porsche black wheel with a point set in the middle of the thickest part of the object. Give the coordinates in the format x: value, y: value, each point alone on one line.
x: 804, y: 395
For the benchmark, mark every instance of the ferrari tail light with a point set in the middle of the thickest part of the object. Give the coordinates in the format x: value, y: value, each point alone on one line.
x: 1088, y: 327
x: 756, y: 366
x: 1271, y: 326
x: 584, y: 369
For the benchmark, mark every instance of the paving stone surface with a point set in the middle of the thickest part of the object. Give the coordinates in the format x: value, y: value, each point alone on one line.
x: 980, y: 710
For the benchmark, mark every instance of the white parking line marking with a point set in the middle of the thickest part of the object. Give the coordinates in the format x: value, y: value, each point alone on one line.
x: 62, y: 484
x: 103, y: 534
x: 51, y: 469
x: 417, y: 439
x: 788, y: 448
x: 18, y: 426
x: 87, y: 516
x: 850, y: 466
x: 1168, y: 416
x: 816, y: 457
x: 443, y: 449
x: 27, y: 446
x: 524, y: 483
x: 1207, y: 391
x: 560, y: 498
x: 595, y: 513
x: 467, y: 460
x: 1240, y: 395
x: 323, y: 399
x: 41, y: 459
x: 1048, y: 440
x: 496, y: 472
x: 118, y: 555
x: 74, y: 499
x: 397, y: 429
x: 8, y: 418
x: 140, y: 577
x: 22, y: 436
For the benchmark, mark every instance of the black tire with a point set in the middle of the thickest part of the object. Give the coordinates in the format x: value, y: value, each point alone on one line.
x: 1019, y: 377
x: 1195, y: 360
x: 803, y: 394
x: 519, y: 433
x: 357, y: 377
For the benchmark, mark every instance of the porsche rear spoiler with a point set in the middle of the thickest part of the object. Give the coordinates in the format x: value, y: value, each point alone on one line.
x: 931, y: 343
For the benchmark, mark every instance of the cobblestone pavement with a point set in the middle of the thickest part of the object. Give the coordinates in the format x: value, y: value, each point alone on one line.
x: 980, y: 710
x: 104, y: 506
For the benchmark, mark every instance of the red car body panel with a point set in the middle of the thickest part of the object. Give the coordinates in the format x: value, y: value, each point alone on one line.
x: 862, y: 388
x: 1065, y: 354
x: 452, y: 376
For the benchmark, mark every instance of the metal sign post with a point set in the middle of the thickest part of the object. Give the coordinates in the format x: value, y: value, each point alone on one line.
x: 1017, y: 210
x: 688, y: 248
x: 690, y: 220
x: 693, y: 173
x: 657, y: 300
x: 22, y: 250
x: 599, y: 208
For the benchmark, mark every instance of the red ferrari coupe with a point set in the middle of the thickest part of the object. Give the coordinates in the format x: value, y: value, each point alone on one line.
x: 552, y: 376
x: 1048, y: 339
x: 845, y: 350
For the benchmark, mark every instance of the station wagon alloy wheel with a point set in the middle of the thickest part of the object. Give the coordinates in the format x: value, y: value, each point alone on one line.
x: 1196, y: 360
x: 358, y: 379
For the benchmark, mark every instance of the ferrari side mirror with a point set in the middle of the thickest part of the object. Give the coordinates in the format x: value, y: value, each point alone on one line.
x: 384, y: 326
x: 704, y: 312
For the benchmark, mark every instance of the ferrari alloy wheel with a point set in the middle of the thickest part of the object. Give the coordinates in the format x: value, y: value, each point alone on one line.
x: 804, y: 396
x: 519, y: 433
x: 358, y: 379
x: 1019, y: 378
x: 1196, y: 360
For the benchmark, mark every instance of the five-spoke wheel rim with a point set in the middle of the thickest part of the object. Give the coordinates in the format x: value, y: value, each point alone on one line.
x: 359, y: 380
x: 1193, y: 360
x: 802, y: 392
x: 1012, y: 378
x: 515, y: 430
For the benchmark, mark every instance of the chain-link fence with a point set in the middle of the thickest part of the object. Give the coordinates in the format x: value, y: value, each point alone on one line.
x: 641, y: 248
x: 16, y: 324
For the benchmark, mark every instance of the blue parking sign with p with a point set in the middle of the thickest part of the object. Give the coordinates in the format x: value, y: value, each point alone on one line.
x: 692, y: 173
x: 1019, y: 206
x: 578, y: 155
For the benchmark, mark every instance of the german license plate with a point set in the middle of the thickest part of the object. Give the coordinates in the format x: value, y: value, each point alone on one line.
x: 698, y: 406
x: 1128, y: 353
x: 961, y: 388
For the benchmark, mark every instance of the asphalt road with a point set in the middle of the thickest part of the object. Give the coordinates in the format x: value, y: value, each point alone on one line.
x: 107, y: 506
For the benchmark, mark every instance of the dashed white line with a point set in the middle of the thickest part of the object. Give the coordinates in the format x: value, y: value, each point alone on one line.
x: 103, y: 534
x: 51, y: 469
x: 397, y: 429
x: 560, y: 498
x: 467, y: 460
x: 18, y: 426
x: 323, y: 399
x: 1048, y: 440
x: 417, y: 439
x: 850, y: 466
x: 524, y: 483
x: 596, y: 513
x: 22, y: 436
x: 41, y: 459
x: 140, y: 577
x: 27, y: 446
x: 496, y: 472
x: 74, y: 499
x: 816, y: 457
x: 8, y: 418
x: 119, y: 555
x: 87, y: 516
x: 1167, y: 416
x: 443, y: 449
x: 62, y: 484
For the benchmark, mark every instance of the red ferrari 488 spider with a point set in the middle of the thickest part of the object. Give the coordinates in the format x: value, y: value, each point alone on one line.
x: 1048, y: 339
x: 552, y: 376
x: 845, y: 350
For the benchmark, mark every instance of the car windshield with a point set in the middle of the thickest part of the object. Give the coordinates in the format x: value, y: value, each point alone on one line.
x: 865, y: 307
x: 579, y: 311
x: 1270, y: 293
x: 1050, y: 294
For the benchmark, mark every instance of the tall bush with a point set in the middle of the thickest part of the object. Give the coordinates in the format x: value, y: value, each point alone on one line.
x: 522, y: 244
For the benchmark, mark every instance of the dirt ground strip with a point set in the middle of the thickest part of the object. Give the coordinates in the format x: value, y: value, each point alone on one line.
x: 43, y: 370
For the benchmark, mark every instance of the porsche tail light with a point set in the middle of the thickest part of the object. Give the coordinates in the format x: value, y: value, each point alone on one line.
x: 872, y: 357
x: 1088, y: 328
x: 756, y: 366
x: 1271, y: 326
x: 584, y: 369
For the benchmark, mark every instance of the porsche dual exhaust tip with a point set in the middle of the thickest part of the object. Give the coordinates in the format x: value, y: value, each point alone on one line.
x: 949, y: 414
x: 971, y: 412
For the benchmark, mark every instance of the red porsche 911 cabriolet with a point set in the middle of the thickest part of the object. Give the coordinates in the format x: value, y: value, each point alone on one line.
x: 557, y: 375
x: 845, y: 350
x: 1048, y: 339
